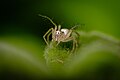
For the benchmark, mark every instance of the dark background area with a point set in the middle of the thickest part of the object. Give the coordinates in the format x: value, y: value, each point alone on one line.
x: 22, y: 15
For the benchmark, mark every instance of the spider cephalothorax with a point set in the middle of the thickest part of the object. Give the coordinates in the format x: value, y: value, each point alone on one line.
x: 60, y: 35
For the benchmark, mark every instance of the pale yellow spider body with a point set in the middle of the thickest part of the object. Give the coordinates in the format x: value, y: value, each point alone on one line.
x: 60, y: 35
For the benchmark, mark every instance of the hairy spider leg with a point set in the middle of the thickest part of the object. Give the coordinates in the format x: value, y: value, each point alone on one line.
x: 76, y: 42
x: 48, y: 19
x: 74, y: 27
x: 77, y: 35
x: 47, y: 33
x: 48, y: 40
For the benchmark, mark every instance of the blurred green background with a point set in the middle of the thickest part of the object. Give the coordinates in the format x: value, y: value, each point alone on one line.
x: 22, y: 15
x: 22, y: 28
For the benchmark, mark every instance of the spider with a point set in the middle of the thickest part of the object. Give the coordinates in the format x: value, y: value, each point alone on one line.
x: 61, y: 35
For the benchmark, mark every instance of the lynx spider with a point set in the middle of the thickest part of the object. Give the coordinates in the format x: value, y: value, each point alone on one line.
x: 60, y: 35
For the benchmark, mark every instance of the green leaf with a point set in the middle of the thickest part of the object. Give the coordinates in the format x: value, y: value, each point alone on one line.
x: 97, y: 56
x: 22, y: 54
x: 97, y: 49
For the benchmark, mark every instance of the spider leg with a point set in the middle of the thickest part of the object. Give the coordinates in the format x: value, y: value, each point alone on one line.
x: 75, y: 45
x: 46, y: 35
x: 58, y: 43
x: 48, y: 19
x: 77, y: 39
x: 77, y: 33
x: 75, y: 26
x: 68, y: 39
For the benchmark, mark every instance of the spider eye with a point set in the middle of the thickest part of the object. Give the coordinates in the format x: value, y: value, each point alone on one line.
x: 57, y: 32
